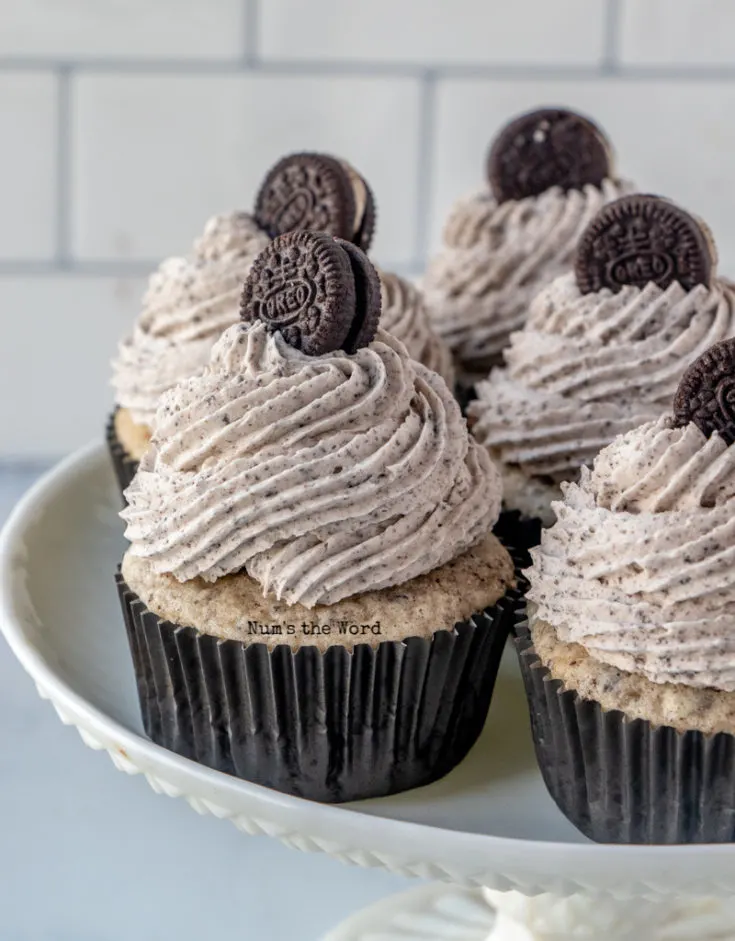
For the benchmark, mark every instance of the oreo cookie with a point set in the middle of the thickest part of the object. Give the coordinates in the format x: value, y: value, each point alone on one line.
x: 545, y: 148
x: 316, y: 192
x: 706, y: 393
x: 640, y: 239
x: 320, y: 292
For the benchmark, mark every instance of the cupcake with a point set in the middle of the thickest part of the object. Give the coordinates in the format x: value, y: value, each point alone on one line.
x: 191, y: 301
x: 603, y: 349
x: 549, y: 172
x: 628, y: 653
x: 313, y: 596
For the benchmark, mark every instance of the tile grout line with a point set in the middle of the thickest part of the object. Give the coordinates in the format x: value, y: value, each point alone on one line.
x: 251, y: 24
x: 110, y: 268
x: 379, y: 69
x: 21, y: 268
x: 425, y: 168
x: 63, y: 167
x: 611, y: 37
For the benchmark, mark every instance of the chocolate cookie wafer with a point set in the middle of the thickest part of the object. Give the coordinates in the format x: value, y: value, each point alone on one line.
x: 639, y: 239
x: 544, y: 148
x: 706, y: 393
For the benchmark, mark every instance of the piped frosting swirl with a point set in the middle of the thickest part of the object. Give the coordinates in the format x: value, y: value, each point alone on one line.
x: 639, y: 567
x: 322, y: 476
x: 496, y: 257
x: 188, y: 304
x: 588, y: 367
x: 404, y: 315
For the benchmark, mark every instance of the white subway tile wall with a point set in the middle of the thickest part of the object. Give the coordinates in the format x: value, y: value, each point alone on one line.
x: 28, y: 183
x: 434, y: 32
x: 677, y: 32
x: 153, y: 155
x: 140, y: 29
x: 126, y: 123
x: 60, y: 334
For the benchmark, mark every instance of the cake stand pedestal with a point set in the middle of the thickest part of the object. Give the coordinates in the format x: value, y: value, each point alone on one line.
x: 505, y: 864
x: 436, y: 912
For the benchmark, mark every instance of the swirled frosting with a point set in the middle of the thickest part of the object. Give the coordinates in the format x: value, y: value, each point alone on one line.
x: 322, y: 476
x: 639, y: 567
x: 496, y: 257
x: 404, y: 315
x: 588, y: 367
x: 188, y: 303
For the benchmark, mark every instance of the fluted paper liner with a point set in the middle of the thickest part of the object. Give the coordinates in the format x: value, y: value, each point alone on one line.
x: 331, y: 726
x: 518, y: 533
x: 125, y: 467
x: 622, y: 780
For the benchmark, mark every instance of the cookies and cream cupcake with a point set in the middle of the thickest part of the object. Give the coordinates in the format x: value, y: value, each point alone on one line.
x: 312, y: 525
x: 191, y: 301
x: 629, y: 651
x: 603, y: 349
x: 549, y: 173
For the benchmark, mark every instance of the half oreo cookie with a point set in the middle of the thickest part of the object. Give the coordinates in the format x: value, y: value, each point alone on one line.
x: 706, y: 393
x: 319, y: 193
x: 545, y: 148
x: 320, y: 292
x: 642, y: 238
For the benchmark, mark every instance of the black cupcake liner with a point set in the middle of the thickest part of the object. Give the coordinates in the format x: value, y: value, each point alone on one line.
x: 330, y: 726
x: 518, y: 533
x: 464, y: 393
x: 622, y: 780
x: 125, y: 467
x: 465, y: 384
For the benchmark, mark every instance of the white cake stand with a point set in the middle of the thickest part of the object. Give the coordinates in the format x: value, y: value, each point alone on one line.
x: 507, y: 864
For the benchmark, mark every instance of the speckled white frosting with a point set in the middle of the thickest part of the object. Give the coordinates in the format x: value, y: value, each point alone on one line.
x: 404, y: 315
x: 495, y: 259
x: 588, y: 367
x: 188, y: 304
x: 640, y: 566
x: 323, y: 477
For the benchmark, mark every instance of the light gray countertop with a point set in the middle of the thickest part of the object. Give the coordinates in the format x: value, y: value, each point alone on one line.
x: 90, y: 854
